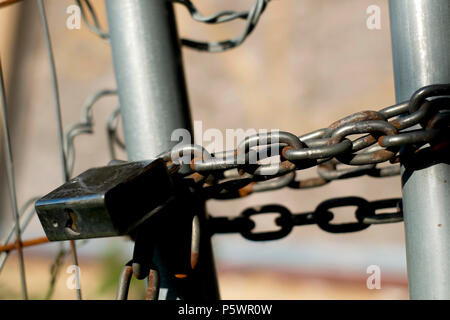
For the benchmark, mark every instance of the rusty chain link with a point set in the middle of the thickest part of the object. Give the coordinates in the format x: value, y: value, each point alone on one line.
x: 381, y: 136
x: 416, y: 127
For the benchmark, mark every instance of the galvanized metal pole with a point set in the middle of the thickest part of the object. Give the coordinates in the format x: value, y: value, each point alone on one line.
x: 421, y: 50
x: 153, y: 102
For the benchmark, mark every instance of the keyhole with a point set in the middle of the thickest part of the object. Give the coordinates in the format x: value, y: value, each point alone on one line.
x: 71, y: 224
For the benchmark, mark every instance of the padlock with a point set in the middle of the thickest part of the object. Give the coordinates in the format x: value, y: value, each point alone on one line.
x: 106, y: 201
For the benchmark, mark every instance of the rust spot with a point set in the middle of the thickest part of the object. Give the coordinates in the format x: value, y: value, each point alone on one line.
x: 395, y: 160
x: 356, y: 117
x: 312, y: 182
x: 194, y: 259
x: 245, y: 191
x: 369, y: 139
x: 333, y: 141
x: 197, y: 177
x: 380, y: 141
x: 439, y: 225
x: 192, y: 164
x: 330, y: 141
x: 396, y: 124
x: 153, y: 285
x: 285, y: 149
x: 17, y: 244
x: 287, y: 165
x: 172, y: 168
x: 382, y: 155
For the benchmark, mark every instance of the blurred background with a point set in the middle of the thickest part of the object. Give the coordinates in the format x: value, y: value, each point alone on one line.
x: 307, y: 64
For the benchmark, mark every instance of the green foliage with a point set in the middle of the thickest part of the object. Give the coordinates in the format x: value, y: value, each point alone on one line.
x: 112, y: 263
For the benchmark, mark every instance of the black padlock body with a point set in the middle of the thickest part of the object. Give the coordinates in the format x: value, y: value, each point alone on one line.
x: 106, y: 201
x: 170, y: 231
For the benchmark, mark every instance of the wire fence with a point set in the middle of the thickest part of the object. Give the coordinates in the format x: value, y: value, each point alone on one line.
x: 384, y: 136
x: 67, y: 150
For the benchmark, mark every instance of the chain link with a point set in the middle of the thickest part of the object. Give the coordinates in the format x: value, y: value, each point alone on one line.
x: 323, y: 216
x: 381, y: 136
x: 251, y: 16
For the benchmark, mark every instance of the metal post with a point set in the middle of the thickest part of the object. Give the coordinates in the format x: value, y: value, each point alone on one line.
x: 153, y: 102
x: 421, y: 51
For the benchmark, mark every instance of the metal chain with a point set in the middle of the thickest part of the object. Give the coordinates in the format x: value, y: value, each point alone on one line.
x: 251, y: 16
x: 382, y: 135
x: 365, y: 215
x: 94, y: 27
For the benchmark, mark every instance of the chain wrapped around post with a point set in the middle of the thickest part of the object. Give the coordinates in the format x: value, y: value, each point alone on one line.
x: 381, y: 136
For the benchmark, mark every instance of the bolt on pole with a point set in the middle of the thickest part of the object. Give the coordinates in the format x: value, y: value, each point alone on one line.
x: 420, y: 31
